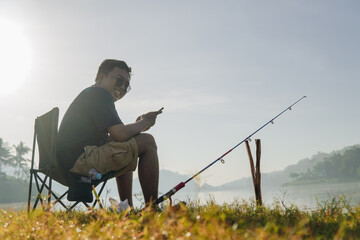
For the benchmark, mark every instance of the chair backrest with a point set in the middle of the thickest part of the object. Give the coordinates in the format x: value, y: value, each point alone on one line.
x: 46, y: 128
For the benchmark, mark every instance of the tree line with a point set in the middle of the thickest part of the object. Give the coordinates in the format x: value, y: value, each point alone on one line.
x: 336, y: 168
x: 16, y: 159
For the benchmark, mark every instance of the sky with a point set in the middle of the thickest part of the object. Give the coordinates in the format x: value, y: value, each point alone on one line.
x: 220, y: 69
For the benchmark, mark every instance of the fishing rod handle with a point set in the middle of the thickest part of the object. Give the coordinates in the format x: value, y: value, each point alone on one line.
x: 170, y: 193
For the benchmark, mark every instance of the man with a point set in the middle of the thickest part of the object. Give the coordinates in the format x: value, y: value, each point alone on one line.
x: 92, y: 136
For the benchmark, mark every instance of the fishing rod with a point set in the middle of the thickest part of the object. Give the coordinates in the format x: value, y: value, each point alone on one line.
x: 182, y: 184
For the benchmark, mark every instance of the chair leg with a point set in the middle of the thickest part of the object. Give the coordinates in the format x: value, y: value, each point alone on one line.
x: 41, y: 183
x: 74, y: 205
x: 49, y: 191
x: 40, y: 189
x: 99, y: 194
x: 30, y: 188
x: 57, y: 199
x: 32, y: 169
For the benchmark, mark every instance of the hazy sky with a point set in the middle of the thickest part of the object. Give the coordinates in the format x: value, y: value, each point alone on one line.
x: 221, y: 69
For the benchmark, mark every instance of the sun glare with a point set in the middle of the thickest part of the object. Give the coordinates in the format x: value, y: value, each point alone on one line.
x: 14, y: 57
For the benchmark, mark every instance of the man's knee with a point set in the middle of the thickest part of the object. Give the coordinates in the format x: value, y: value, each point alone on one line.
x: 145, y: 142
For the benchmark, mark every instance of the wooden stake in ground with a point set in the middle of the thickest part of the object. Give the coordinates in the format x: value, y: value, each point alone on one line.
x: 255, y: 172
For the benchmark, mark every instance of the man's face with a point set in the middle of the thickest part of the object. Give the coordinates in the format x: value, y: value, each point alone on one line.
x: 115, y: 82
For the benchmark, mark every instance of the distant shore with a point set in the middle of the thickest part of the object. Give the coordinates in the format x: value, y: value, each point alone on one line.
x: 14, y: 206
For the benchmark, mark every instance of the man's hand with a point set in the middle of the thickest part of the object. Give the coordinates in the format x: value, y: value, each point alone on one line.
x: 121, y: 132
x: 150, y: 118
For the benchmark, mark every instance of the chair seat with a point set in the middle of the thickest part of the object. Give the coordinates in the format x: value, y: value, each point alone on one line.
x: 58, y: 174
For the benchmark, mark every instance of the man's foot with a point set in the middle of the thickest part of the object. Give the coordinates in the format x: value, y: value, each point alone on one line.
x: 178, y: 205
x: 119, y: 206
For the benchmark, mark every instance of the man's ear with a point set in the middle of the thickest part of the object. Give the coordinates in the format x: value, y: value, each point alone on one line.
x: 100, y: 77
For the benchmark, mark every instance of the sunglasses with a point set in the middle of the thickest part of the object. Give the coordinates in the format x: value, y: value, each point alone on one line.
x: 121, y: 82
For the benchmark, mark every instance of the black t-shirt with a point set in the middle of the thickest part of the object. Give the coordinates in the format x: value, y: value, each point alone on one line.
x: 85, y: 123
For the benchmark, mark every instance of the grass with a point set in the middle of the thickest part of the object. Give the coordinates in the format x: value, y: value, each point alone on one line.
x: 239, y: 220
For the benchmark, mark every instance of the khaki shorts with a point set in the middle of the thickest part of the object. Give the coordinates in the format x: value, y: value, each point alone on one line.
x: 120, y: 157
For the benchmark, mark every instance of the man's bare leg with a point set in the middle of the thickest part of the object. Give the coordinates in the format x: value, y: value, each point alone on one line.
x: 124, y: 184
x: 148, y: 170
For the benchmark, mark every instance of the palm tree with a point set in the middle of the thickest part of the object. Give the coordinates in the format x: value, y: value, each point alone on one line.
x: 4, y: 154
x: 19, y: 162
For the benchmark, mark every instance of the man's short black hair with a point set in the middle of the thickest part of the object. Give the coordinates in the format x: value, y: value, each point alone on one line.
x: 109, y: 64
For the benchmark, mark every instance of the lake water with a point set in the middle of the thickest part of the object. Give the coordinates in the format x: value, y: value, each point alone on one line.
x: 305, y: 197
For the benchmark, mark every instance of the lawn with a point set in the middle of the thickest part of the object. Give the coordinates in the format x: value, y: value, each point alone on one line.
x: 238, y: 220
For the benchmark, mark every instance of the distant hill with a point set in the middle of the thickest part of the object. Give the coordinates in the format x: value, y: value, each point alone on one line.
x: 341, y: 166
x: 278, y: 178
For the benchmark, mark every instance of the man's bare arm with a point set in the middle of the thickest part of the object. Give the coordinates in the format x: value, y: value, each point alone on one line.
x: 121, y: 132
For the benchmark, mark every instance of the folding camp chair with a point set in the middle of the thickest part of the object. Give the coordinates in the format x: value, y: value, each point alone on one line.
x: 45, y: 135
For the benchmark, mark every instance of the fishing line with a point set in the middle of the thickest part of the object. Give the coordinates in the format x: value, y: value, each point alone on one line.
x: 182, y: 184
